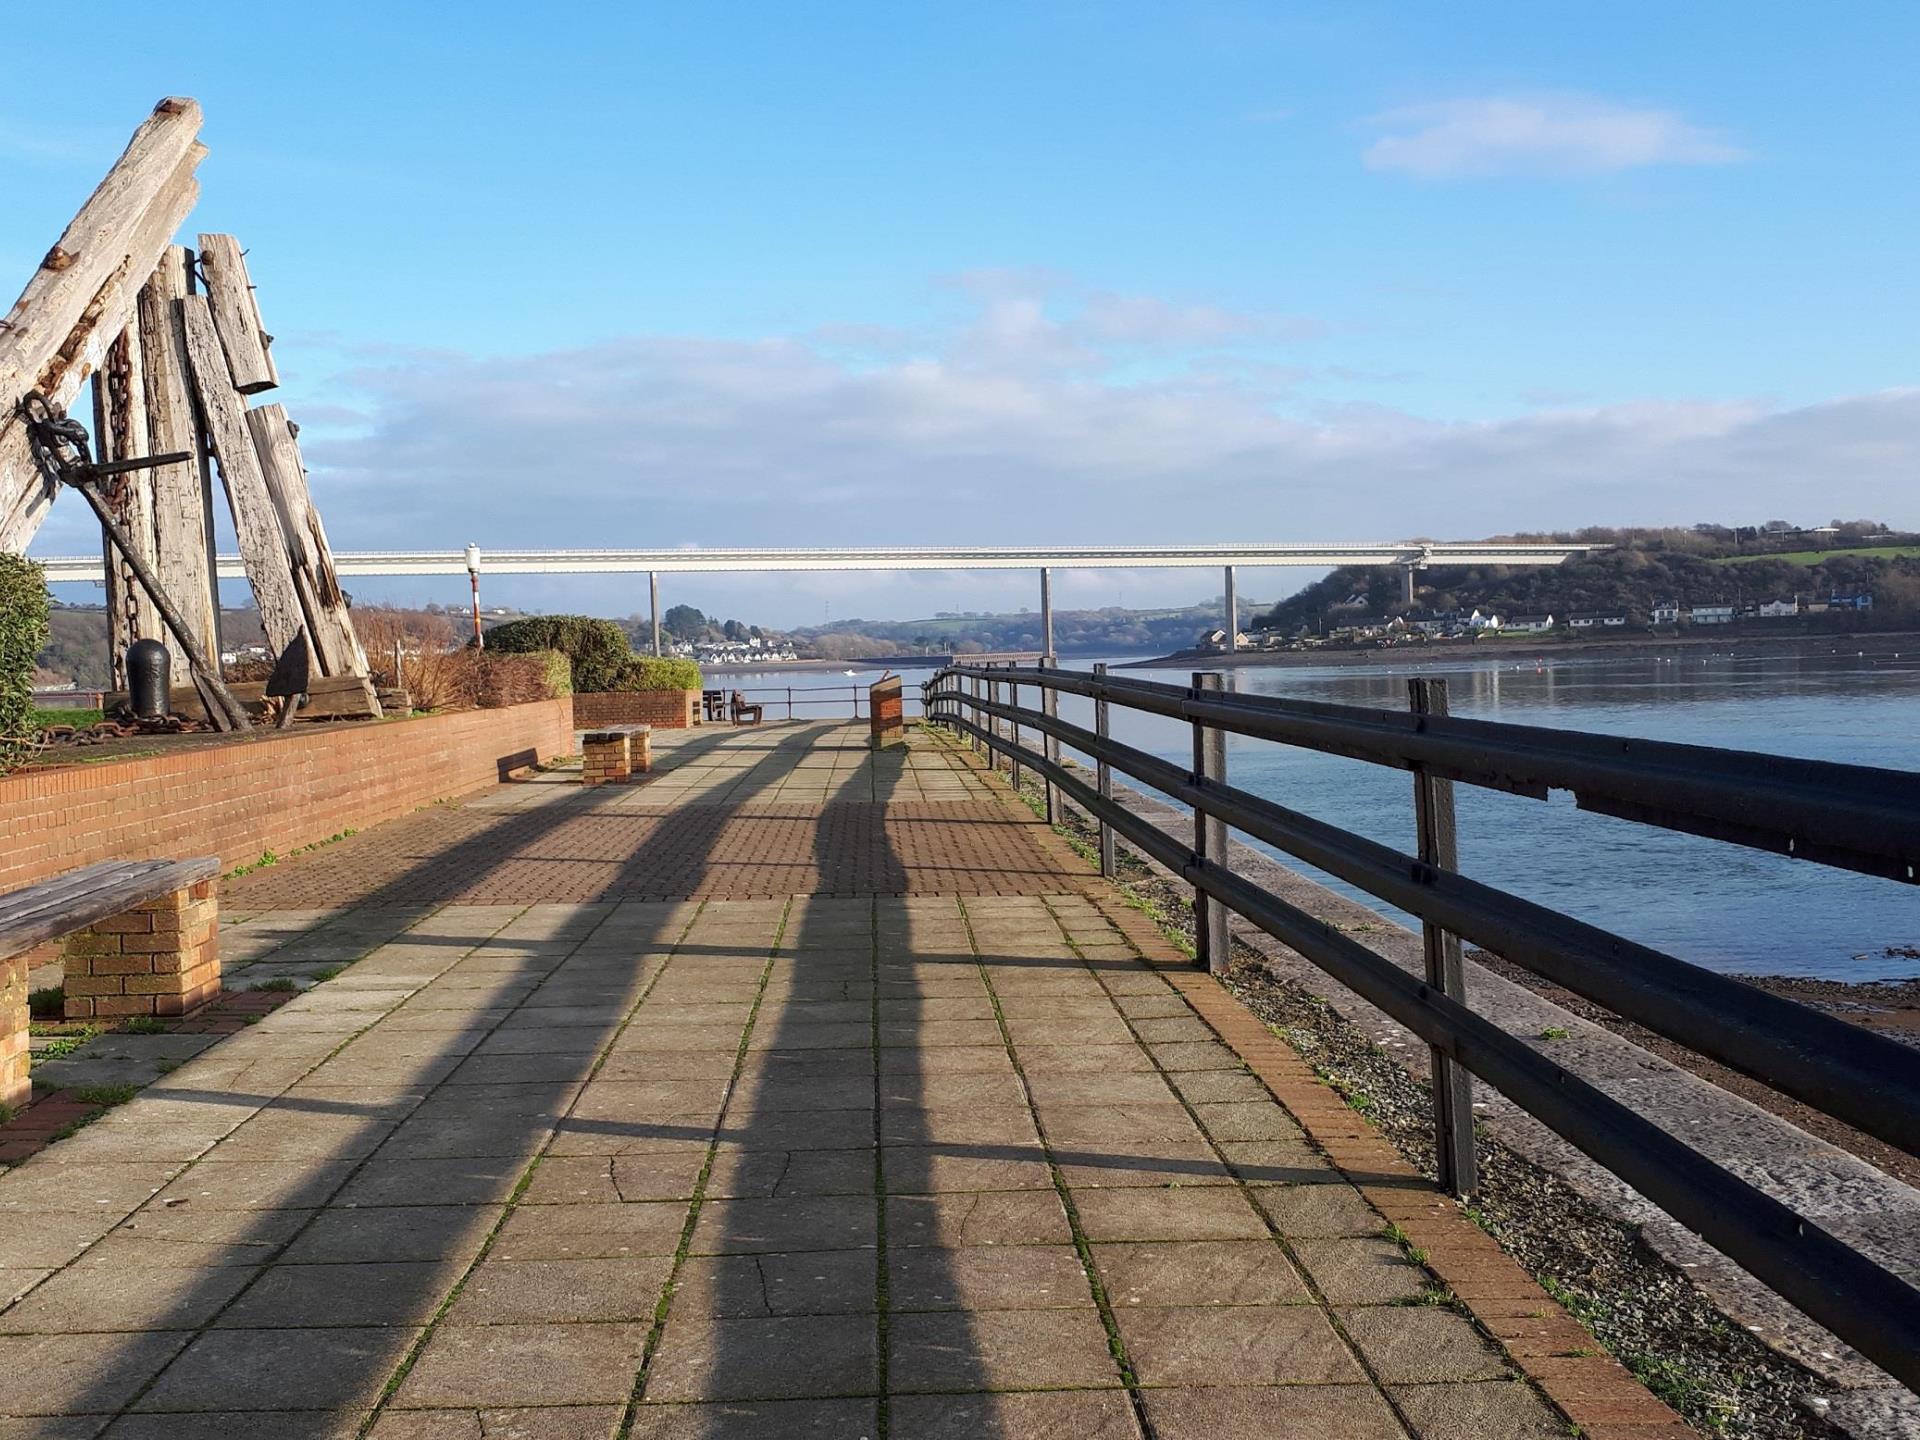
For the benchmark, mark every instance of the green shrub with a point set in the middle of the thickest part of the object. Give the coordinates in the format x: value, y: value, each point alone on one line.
x: 596, y: 648
x: 559, y: 672
x: 645, y: 672
x: 23, y: 630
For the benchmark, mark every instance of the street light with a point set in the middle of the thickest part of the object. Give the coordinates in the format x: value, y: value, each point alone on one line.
x: 473, y: 574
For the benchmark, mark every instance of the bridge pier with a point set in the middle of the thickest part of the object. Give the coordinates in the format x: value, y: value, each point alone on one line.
x: 1046, y: 614
x: 653, y: 599
x: 1233, y: 613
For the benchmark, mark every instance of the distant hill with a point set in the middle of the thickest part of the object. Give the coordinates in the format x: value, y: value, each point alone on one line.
x: 76, y: 648
x: 1112, y: 630
x: 1704, y: 566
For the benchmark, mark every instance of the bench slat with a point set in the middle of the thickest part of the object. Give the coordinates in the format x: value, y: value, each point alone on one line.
x: 76, y: 900
x: 103, y: 883
x: 74, y: 883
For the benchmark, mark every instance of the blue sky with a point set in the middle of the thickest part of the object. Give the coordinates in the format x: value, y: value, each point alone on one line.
x: 783, y: 274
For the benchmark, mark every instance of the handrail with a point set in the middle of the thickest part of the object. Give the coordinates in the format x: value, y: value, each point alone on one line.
x: 1869, y: 1080
x: 1857, y: 1076
x: 1856, y: 817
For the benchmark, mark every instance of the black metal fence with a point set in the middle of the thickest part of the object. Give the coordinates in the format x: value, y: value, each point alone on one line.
x: 798, y: 702
x: 1854, y: 817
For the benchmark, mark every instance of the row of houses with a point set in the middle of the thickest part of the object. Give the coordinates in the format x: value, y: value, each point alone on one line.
x: 1458, y: 624
x: 1668, y: 612
x: 732, y: 652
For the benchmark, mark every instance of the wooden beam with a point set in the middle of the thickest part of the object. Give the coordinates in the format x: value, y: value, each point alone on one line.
x: 336, y: 647
x: 181, y: 524
x: 83, y: 294
x: 236, y: 315
x: 120, y: 433
x: 329, y: 697
x: 256, y: 521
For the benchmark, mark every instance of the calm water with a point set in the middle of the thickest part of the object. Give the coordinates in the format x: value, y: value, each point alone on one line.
x: 1719, y: 905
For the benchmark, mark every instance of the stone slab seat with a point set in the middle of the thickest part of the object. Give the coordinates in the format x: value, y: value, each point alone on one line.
x: 614, y: 754
x: 140, y: 940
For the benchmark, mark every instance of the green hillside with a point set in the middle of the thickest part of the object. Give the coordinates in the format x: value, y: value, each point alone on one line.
x: 1642, y: 569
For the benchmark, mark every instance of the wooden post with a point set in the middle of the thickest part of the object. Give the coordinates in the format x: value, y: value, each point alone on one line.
x: 1103, y: 773
x: 256, y: 522
x: 324, y: 607
x: 84, y: 294
x: 236, y: 315
x: 1212, y: 943
x: 1458, y: 1167
x: 182, y: 526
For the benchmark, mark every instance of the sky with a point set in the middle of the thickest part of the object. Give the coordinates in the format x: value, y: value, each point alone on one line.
x: 741, y: 274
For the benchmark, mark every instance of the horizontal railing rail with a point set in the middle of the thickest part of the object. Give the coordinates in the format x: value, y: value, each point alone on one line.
x: 1857, y: 817
x: 797, y: 697
x: 1855, y: 1075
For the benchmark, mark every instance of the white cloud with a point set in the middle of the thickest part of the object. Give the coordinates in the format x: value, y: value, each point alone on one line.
x: 1001, y: 431
x: 1539, y: 135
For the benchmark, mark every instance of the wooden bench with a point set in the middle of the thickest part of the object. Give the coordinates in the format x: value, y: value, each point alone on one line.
x: 141, y: 939
x: 713, y: 704
x: 614, y: 754
x: 744, y: 711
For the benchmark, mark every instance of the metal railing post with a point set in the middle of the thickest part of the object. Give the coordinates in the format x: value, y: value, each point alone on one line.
x: 1458, y: 1166
x: 1049, y: 745
x: 1211, y: 944
x: 1013, y: 724
x: 993, y: 725
x: 1103, y: 777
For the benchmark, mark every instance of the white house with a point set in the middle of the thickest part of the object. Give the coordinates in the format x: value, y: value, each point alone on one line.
x: 1666, y: 612
x: 1777, y: 609
x: 1712, y: 615
x: 1596, y: 619
x: 1527, y: 624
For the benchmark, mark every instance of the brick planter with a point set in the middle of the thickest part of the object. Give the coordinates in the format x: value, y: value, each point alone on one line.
x: 269, y: 791
x: 662, y: 709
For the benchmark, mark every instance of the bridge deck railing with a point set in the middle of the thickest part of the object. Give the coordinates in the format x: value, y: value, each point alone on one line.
x: 1853, y: 817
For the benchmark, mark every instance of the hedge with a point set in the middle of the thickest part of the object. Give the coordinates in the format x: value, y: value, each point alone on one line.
x: 646, y: 672
x: 598, y: 649
x: 557, y: 670
x: 23, y: 632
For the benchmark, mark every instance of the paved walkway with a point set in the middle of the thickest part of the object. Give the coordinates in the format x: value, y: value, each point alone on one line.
x: 934, y: 1142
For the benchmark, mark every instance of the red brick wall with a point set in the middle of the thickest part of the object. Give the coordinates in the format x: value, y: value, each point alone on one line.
x: 668, y: 709
x: 270, y: 792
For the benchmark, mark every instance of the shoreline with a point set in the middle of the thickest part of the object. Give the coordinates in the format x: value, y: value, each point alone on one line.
x: 1894, y: 643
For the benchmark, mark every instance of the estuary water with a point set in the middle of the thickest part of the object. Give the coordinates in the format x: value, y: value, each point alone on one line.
x: 1723, y: 906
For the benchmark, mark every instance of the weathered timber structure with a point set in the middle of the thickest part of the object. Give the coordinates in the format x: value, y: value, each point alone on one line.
x: 173, y: 342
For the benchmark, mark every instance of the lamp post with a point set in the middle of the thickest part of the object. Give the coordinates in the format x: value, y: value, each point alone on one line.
x: 473, y: 574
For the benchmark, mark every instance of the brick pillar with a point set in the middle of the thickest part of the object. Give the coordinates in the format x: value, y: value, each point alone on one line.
x: 605, y: 758
x: 15, y: 1088
x: 162, y: 958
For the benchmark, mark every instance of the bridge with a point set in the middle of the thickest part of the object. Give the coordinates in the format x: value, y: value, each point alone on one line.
x: 1411, y: 555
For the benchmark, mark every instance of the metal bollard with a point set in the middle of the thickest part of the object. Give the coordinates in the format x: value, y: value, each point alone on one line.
x: 1458, y: 1166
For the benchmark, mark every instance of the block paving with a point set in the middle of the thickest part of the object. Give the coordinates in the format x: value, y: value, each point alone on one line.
x: 974, y: 1160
